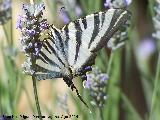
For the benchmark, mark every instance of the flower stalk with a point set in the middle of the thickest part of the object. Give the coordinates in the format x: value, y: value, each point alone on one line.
x: 155, y: 105
x: 35, y: 88
x: 101, y: 113
x: 36, y: 97
x: 34, y: 31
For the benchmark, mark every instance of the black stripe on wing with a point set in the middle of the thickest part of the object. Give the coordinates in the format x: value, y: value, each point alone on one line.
x: 103, y: 18
x: 49, y: 61
x: 60, y: 41
x: 46, y: 48
x: 66, y: 31
x: 78, y: 38
x: 84, y: 22
x: 54, y: 52
x: 46, y: 74
x: 96, y: 28
x: 42, y: 59
x: 112, y: 27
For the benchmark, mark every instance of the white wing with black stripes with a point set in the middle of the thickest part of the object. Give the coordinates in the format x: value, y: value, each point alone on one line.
x: 74, y: 46
x: 51, y: 61
x: 85, y: 36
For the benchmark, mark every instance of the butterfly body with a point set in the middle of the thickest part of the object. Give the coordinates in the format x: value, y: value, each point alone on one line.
x: 72, y: 50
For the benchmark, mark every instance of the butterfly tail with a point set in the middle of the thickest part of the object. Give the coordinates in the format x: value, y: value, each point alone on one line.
x: 73, y: 87
x: 79, y: 96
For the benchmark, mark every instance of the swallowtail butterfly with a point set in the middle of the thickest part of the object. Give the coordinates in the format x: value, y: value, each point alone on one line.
x: 72, y: 50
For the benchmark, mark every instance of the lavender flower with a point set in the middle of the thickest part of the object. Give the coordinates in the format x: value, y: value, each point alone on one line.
x: 117, y: 3
x: 146, y: 49
x: 156, y: 21
x: 5, y: 11
x: 32, y: 27
x: 65, y: 15
x: 119, y: 38
x: 71, y: 11
x: 4, y: 117
x: 107, y: 4
x: 96, y: 83
x: 127, y: 2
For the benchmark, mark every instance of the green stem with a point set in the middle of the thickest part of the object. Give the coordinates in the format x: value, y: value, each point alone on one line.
x: 101, y: 113
x: 151, y: 7
x: 110, y: 63
x: 36, y: 98
x: 35, y: 86
x: 11, y: 30
x: 129, y: 107
x: 155, y: 106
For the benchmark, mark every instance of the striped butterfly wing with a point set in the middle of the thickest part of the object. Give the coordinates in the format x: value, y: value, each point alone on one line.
x: 75, y: 46
x: 85, y: 36
x: 51, y: 61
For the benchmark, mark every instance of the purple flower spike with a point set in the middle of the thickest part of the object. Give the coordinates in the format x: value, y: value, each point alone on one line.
x: 38, y: 47
x: 147, y: 47
x: 5, y: 11
x: 44, y: 25
x: 4, y: 117
x: 40, y: 7
x: 107, y: 4
x: 25, y: 7
x: 78, y: 11
x: 88, y: 68
x: 31, y: 32
x: 32, y: 26
x: 88, y: 84
x: 7, y: 4
x: 89, y: 76
x: 19, y: 23
x: 96, y: 84
x: 127, y: 2
x: 104, y: 77
x: 64, y: 15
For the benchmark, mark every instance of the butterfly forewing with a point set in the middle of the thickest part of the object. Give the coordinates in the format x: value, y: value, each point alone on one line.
x: 85, y: 36
x: 51, y: 60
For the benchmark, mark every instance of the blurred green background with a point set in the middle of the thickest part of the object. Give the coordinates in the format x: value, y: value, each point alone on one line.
x: 133, y: 89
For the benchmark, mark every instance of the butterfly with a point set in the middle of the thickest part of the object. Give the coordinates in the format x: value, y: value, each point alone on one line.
x: 72, y: 50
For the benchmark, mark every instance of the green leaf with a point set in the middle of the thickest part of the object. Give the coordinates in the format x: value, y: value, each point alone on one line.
x: 155, y: 107
x: 112, y: 107
x: 131, y: 111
